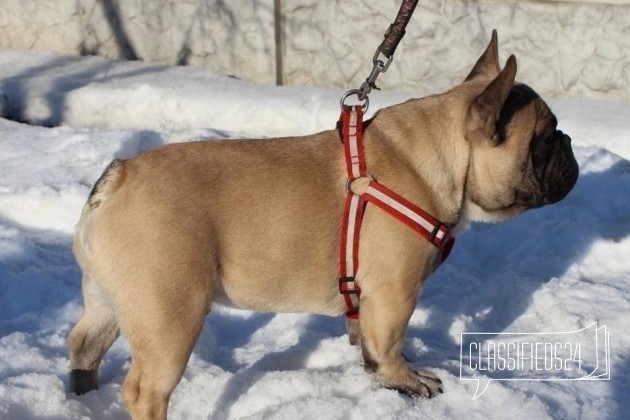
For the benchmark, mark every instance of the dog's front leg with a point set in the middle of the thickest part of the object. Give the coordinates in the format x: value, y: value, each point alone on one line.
x: 354, y: 331
x: 385, y: 314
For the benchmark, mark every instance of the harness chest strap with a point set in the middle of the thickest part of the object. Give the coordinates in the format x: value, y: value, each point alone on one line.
x: 382, y: 197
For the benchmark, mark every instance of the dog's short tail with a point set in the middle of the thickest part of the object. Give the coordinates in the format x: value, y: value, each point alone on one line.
x: 109, y: 181
x: 107, y: 184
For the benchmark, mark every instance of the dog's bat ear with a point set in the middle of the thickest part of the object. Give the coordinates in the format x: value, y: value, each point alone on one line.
x: 485, y: 109
x: 488, y: 64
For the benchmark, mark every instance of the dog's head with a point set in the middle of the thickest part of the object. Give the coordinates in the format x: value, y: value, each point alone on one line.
x: 519, y: 159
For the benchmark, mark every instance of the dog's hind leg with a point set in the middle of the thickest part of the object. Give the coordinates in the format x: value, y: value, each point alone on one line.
x: 162, y: 335
x: 91, y: 337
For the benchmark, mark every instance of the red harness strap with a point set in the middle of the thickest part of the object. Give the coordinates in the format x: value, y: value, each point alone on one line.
x: 411, y: 215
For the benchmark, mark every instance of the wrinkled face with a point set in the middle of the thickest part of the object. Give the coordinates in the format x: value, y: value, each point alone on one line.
x: 528, y: 163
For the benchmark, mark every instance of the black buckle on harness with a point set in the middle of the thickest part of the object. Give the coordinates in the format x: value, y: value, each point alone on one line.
x: 433, y: 236
x: 344, y: 290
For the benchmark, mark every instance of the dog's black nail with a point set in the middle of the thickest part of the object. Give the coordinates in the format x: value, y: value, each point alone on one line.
x: 405, y: 392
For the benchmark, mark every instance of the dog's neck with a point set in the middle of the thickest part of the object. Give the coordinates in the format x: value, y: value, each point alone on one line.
x: 423, y: 142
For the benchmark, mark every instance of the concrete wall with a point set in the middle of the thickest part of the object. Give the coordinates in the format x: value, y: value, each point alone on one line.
x: 231, y: 36
x: 563, y: 47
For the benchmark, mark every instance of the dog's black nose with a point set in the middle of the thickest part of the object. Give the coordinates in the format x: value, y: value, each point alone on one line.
x: 565, y: 139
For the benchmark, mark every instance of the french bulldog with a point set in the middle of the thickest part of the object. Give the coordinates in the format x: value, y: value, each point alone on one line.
x: 256, y: 224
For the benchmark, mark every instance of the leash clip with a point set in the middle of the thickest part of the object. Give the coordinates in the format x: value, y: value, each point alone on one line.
x: 379, y: 67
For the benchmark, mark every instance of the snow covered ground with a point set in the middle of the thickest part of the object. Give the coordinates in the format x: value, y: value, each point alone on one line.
x: 559, y: 268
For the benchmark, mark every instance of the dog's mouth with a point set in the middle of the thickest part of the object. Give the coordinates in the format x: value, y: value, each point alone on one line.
x: 555, y: 168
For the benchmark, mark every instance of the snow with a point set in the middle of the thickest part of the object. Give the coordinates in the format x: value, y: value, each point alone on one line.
x: 559, y: 268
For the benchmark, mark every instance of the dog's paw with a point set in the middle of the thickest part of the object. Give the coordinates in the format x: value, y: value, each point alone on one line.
x: 421, y: 384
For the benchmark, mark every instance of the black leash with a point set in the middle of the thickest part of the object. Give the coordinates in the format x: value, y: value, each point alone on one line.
x: 396, y: 30
x: 394, y: 34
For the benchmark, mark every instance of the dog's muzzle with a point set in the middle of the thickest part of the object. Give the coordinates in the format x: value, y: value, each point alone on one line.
x: 555, y: 167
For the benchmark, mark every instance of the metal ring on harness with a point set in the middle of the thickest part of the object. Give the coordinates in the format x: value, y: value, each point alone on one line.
x: 349, y: 182
x: 358, y: 92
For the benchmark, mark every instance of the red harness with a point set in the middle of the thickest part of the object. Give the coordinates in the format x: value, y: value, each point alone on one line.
x: 417, y: 219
